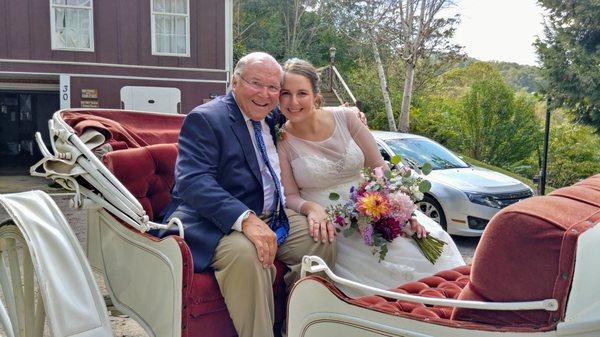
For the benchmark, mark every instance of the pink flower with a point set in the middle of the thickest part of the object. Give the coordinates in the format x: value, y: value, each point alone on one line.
x: 402, y: 206
x: 378, y: 172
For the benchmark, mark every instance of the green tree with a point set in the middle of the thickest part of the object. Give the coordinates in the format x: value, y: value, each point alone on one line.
x: 573, y: 153
x: 570, y: 54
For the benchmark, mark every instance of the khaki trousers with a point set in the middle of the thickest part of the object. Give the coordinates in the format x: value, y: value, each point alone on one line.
x: 248, y: 287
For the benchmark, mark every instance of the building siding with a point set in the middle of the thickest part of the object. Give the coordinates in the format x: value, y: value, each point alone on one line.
x: 122, y: 34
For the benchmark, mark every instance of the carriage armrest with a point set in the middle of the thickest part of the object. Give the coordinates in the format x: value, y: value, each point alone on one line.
x: 147, y: 172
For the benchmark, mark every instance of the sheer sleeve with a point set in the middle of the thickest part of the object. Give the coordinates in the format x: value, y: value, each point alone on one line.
x: 290, y: 188
x: 363, y: 138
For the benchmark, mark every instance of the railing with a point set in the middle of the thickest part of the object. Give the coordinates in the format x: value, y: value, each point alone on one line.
x: 332, y: 81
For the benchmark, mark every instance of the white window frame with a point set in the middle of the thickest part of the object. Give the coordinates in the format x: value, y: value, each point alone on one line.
x: 153, y: 30
x: 53, y: 36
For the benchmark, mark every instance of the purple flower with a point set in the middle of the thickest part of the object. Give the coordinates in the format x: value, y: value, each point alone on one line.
x: 389, y: 228
x: 353, y: 194
x: 340, y: 221
x: 367, y: 234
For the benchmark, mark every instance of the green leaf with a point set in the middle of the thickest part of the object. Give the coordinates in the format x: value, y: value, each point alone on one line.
x: 395, y: 159
x: 424, y: 186
x: 334, y: 196
x: 383, y: 250
x: 427, y: 168
x: 348, y: 231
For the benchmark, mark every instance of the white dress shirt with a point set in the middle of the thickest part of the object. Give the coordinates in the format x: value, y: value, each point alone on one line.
x: 267, y: 181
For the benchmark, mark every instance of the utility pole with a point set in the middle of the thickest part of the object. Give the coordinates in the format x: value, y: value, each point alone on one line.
x: 545, y: 152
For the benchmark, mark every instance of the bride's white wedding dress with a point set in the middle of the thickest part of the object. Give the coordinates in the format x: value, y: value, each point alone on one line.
x: 334, y: 165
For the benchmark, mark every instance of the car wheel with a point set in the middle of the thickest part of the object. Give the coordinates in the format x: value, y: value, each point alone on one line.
x: 430, y: 207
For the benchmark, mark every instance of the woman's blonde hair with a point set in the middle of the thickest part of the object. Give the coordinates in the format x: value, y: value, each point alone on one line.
x: 307, y: 70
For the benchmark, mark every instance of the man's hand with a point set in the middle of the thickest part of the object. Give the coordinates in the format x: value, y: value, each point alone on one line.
x: 360, y: 114
x: 263, y: 238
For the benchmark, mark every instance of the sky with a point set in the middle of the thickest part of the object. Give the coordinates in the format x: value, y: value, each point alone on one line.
x: 499, y: 30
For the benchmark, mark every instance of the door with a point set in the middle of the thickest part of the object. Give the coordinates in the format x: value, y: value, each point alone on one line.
x: 21, y: 115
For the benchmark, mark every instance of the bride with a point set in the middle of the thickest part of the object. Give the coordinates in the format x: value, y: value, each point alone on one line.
x: 323, y: 151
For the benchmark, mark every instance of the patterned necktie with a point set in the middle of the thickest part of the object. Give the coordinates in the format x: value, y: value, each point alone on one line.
x: 279, y: 221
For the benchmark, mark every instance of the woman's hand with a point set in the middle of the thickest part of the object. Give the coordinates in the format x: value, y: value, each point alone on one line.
x: 417, y: 228
x: 319, y: 227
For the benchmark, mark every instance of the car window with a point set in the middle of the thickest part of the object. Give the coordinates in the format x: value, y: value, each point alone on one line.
x: 384, y: 154
x: 418, y: 151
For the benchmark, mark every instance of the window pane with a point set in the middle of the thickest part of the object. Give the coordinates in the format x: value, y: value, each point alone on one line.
x: 171, y: 30
x: 78, y: 2
x: 72, y: 28
x: 181, y: 6
x: 168, y: 6
x: 158, y: 5
x: 58, y: 2
x: 180, y: 26
x: 181, y: 45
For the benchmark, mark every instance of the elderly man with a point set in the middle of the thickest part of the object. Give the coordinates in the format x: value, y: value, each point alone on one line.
x: 229, y: 196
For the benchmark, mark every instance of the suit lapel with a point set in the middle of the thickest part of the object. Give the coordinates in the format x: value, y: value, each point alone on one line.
x: 240, y: 130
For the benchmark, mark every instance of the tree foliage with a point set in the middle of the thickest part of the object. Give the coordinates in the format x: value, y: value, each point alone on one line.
x: 372, y: 24
x: 475, y: 112
x: 570, y: 54
x: 423, y: 32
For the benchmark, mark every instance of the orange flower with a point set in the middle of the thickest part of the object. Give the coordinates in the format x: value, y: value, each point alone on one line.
x: 373, y: 204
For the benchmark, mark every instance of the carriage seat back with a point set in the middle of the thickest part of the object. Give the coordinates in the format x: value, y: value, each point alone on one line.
x: 527, y: 253
x: 147, y: 172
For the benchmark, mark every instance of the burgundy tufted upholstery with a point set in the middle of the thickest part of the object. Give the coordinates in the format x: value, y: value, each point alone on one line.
x: 147, y: 172
x: 445, y: 284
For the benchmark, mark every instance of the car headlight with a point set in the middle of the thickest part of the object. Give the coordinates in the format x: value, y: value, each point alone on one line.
x: 483, y: 199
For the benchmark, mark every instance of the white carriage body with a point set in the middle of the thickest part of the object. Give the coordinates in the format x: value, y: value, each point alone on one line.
x: 146, y: 276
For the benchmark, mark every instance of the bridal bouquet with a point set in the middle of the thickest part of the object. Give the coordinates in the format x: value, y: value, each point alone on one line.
x: 380, y: 207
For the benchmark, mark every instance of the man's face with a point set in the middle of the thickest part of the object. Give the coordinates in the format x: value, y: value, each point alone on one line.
x: 256, y: 89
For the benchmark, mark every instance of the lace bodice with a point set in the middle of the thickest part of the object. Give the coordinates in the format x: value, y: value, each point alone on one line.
x: 332, y: 165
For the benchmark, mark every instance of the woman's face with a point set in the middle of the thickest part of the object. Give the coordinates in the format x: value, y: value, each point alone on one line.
x: 297, y: 99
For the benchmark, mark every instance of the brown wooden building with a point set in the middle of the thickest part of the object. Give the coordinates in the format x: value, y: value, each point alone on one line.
x: 158, y: 55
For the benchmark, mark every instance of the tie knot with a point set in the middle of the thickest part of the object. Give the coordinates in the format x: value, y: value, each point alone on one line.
x: 256, y: 125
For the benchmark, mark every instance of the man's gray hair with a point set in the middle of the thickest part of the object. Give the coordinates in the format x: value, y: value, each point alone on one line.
x: 251, y: 58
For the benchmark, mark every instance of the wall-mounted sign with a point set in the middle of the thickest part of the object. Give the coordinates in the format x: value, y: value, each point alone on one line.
x: 65, y: 91
x: 89, y: 93
x: 90, y: 103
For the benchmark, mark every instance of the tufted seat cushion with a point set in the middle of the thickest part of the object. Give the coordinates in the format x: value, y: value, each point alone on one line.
x: 148, y: 173
x: 445, y: 284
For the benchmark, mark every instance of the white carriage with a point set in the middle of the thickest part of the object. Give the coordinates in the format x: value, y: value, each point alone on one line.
x: 534, y: 273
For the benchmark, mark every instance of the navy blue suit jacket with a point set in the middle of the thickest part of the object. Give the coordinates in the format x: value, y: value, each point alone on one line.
x: 217, y: 176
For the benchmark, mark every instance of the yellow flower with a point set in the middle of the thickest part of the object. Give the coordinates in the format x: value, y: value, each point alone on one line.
x: 372, y: 204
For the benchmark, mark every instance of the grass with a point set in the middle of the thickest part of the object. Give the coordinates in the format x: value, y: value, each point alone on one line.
x: 522, y: 179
